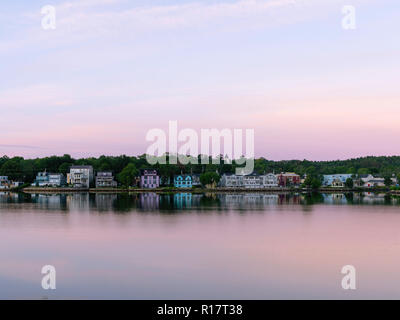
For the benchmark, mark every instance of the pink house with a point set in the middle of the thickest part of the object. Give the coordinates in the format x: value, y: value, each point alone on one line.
x: 149, y: 179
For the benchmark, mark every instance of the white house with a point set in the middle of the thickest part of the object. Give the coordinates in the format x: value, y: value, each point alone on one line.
x: 251, y: 181
x: 81, y: 176
x: 270, y: 180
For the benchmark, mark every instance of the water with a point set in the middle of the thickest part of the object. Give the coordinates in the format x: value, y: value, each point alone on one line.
x: 188, y: 246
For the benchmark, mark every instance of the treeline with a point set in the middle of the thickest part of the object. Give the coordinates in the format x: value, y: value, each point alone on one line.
x: 21, y: 169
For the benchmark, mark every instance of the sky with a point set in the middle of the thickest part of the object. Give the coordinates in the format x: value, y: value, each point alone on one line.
x: 112, y: 70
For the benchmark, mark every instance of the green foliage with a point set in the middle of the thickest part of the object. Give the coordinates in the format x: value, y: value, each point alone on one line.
x: 349, y: 183
x: 209, y: 178
x: 312, y: 182
x: 128, y: 174
x: 21, y: 169
x: 388, y: 181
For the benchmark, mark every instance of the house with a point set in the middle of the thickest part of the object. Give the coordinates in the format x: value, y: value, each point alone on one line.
x: 335, y: 180
x: 17, y: 184
x: 105, y: 179
x: 42, y: 179
x: 81, y: 176
x: 269, y: 180
x: 46, y: 179
x: 183, y: 181
x: 286, y: 179
x: 56, y: 179
x: 4, y: 182
x: 251, y: 181
x: 196, y: 180
x: 369, y: 181
x: 149, y: 179
x: 231, y: 181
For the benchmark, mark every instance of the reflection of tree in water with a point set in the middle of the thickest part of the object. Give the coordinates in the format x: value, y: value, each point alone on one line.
x: 313, y: 198
x: 210, y: 201
x: 388, y: 199
x: 125, y: 202
x: 349, y: 197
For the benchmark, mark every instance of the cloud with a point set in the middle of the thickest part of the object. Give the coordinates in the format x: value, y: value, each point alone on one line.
x: 93, y: 19
x: 15, y: 146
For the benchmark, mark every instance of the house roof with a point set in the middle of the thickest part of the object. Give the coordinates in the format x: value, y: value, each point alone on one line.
x: 81, y: 167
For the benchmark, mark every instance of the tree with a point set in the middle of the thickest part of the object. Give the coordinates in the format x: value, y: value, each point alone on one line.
x: 316, y: 183
x: 209, y: 178
x: 349, y: 183
x: 12, y: 169
x: 64, y: 168
x: 312, y: 182
x: 363, y: 171
x: 128, y: 174
x: 308, y: 181
x: 388, y: 181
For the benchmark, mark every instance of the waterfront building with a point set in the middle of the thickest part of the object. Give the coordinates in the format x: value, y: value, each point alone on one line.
x: 269, y: 180
x: 369, y: 181
x: 287, y: 179
x: 105, y: 179
x: 149, y: 179
x: 4, y: 182
x: 17, y: 184
x: 183, y: 181
x: 251, y: 181
x: 56, y: 179
x: 81, y: 176
x: 335, y: 180
x: 46, y: 179
x: 231, y: 181
x: 42, y: 179
x: 196, y: 180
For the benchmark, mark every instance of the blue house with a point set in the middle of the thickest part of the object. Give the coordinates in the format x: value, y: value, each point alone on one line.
x: 183, y: 181
x: 335, y: 180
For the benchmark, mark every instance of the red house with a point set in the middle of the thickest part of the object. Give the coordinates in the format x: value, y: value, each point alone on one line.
x: 287, y: 179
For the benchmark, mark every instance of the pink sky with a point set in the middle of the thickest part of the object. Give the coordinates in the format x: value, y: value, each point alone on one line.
x: 111, y: 71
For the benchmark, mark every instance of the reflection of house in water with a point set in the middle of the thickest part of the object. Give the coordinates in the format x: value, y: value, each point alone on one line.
x: 78, y: 201
x: 50, y: 201
x: 196, y: 200
x: 248, y: 200
x: 370, y: 198
x: 104, y: 201
x: 335, y: 198
x: 182, y: 200
x: 149, y: 201
x: 289, y: 198
x: 7, y: 197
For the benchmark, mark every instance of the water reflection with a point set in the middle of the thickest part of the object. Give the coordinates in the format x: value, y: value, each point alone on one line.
x: 149, y: 202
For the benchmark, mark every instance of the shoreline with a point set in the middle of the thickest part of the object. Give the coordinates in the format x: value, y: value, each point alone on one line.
x: 33, y: 190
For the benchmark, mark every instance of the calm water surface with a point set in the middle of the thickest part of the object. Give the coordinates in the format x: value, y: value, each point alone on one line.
x: 186, y: 246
